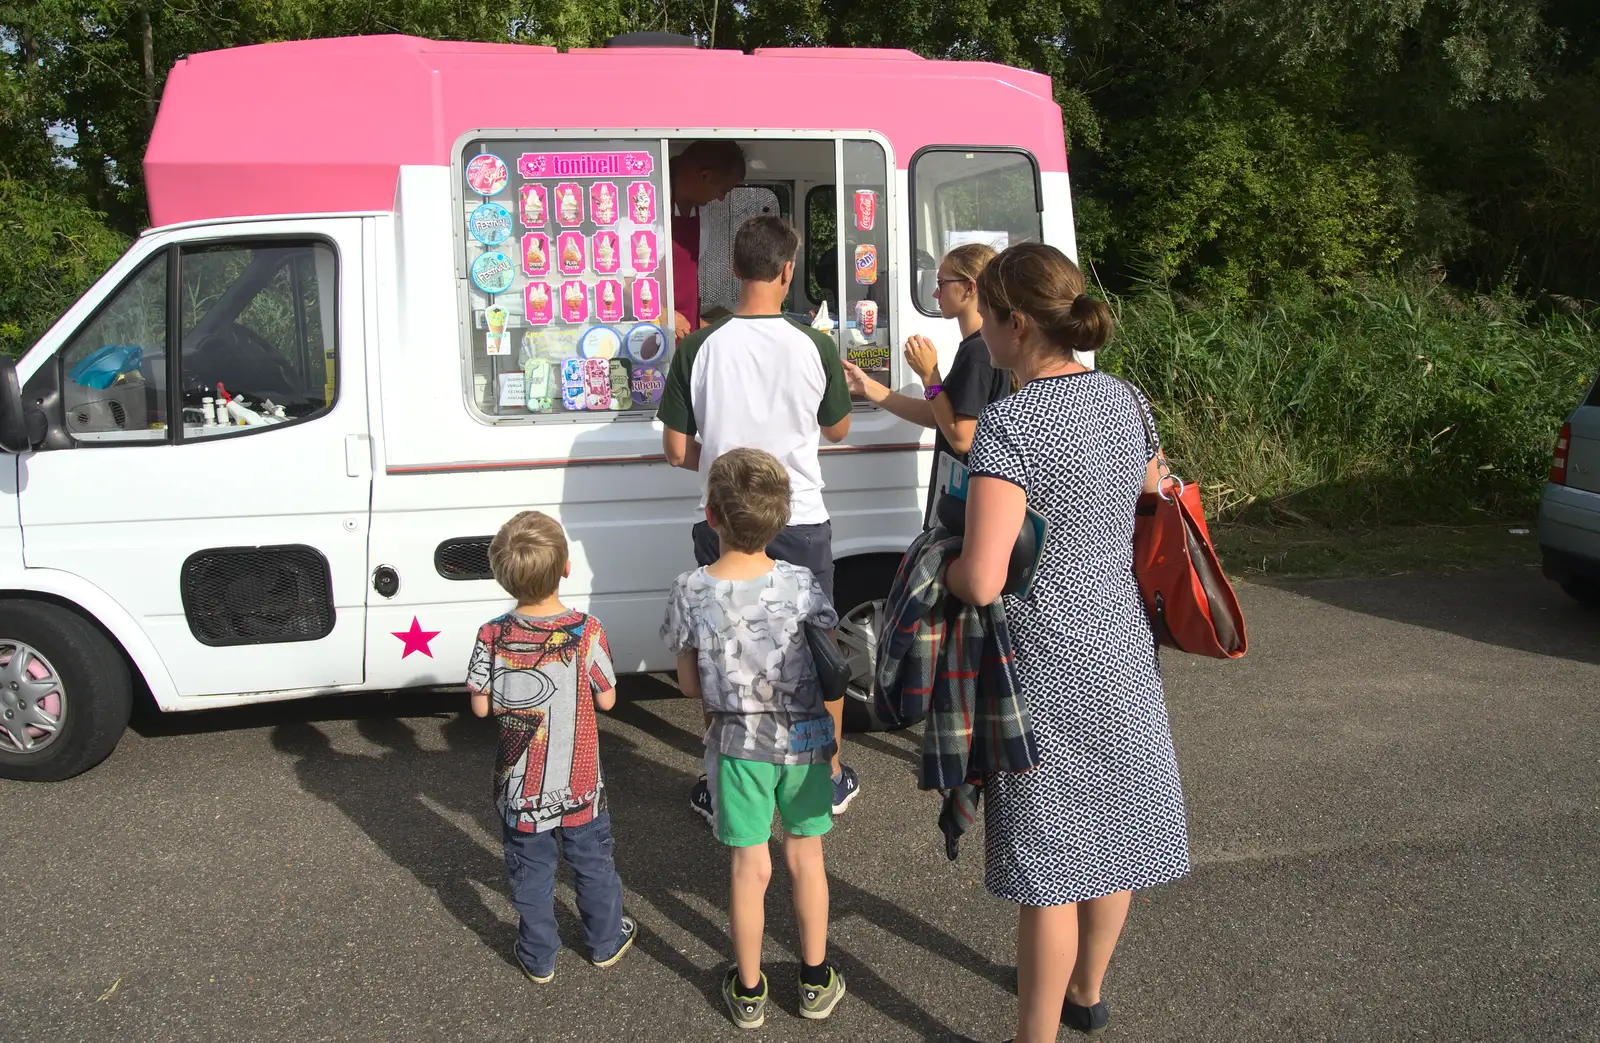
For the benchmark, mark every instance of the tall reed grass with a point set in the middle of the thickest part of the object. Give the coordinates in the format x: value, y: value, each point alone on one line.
x: 1395, y: 403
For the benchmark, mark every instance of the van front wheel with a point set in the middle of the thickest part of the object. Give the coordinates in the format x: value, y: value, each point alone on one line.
x: 65, y: 693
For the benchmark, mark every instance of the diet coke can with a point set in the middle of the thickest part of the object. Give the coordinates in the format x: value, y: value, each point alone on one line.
x: 866, y: 264
x: 867, y: 317
x: 866, y: 209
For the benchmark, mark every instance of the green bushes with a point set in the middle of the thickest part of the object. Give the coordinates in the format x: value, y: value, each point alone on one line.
x: 1387, y: 404
x: 52, y: 248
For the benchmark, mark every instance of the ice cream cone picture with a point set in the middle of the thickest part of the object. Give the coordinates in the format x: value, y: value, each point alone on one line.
x: 603, y: 203
x: 535, y: 206
x: 646, y: 299
x: 643, y: 251
x: 574, y: 303
x: 608, y: 300
x: 569, y: 204
x: 607, y: 253
x: 495, y: 318
x: 571, y: 245
x: 642, y: 202
x: 536, y: 253
x: 537, y: 298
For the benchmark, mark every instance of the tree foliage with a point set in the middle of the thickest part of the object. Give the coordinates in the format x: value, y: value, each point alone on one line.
x: 1229, y: 147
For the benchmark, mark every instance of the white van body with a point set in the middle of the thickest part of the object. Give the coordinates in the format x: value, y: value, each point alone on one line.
x: 112, y: 551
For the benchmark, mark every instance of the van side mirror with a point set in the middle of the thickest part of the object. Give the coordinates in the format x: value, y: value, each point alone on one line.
x: 13, y: 418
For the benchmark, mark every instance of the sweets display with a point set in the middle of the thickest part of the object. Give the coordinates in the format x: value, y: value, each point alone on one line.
x: 580, y: 244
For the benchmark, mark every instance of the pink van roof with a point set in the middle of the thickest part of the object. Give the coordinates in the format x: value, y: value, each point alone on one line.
x: 323, y: 126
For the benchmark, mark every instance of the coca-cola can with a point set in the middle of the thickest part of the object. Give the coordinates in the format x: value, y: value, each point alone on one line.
x: 867, y: 317
x: 866, y: 209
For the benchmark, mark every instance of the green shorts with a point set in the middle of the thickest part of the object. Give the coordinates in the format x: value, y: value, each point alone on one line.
x: 749, y: 791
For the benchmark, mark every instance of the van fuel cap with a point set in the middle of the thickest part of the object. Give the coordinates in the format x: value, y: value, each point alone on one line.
x: 386, y: 581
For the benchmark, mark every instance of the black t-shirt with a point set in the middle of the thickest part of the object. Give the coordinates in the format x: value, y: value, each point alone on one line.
x: 971, y: 385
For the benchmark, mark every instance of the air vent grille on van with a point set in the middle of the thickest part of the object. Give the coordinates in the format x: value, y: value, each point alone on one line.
x: 257, y: 595
x: 463, y: 558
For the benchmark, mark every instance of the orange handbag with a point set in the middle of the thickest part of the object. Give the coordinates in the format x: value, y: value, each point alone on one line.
x: 1191, y: 604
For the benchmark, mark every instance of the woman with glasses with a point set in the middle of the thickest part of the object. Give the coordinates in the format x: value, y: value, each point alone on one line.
x: 951, y: 404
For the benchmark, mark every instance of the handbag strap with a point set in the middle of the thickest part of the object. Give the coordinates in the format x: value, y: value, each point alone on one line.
x: 1151, y: 439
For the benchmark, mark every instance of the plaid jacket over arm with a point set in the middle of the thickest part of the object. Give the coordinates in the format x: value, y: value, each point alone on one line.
x: 951, y: 664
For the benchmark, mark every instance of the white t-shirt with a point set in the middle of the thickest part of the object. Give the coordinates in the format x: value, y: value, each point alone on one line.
x: 760, y: 382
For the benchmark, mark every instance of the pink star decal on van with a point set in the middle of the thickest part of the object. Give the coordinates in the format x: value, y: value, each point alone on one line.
x: 416, y: 639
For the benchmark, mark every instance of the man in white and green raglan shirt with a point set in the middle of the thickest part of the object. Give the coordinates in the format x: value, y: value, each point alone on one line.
x: 759, y: 380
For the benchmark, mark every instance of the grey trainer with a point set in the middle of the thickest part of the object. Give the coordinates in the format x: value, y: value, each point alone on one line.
x: 816, y: 1002
x: 748, y: 1012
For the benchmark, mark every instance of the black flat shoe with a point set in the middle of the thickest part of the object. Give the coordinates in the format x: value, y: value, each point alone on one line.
x: 1090, y: 1021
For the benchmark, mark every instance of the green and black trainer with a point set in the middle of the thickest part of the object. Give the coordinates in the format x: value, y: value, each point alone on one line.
x: 748, y: 1012
x: 818, y: 1001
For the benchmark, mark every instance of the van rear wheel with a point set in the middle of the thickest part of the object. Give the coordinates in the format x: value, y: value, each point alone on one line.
x: 860, y: 587
x: 65, y: 693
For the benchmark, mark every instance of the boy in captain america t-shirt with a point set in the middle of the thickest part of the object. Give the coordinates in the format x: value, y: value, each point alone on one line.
x: 542, y: 670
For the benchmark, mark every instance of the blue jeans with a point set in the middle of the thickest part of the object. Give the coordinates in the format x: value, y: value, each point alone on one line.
x: 531, y: 867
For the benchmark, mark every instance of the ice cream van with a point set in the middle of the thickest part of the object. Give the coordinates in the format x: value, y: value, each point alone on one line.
x: 398, y: 290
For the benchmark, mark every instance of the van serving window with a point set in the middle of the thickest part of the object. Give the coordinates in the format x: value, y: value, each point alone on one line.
x: 564, y: 273
x: 967, y: 195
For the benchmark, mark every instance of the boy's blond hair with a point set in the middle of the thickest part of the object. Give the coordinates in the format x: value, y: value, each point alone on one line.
x: 748, y: 495
x: 528, y: 556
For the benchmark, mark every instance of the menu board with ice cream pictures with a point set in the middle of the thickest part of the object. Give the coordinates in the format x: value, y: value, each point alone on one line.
x: 567, y: 252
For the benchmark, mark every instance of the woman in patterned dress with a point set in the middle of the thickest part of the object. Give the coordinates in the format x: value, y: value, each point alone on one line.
x: 1103, y: 813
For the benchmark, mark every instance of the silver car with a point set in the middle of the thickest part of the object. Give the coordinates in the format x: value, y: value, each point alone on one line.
x: 1569, y: 514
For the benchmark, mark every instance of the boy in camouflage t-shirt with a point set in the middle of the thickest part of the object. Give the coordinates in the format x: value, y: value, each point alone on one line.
x: 737, y: 627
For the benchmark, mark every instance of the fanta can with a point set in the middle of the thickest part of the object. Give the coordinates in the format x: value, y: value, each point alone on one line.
x: 866, y: 264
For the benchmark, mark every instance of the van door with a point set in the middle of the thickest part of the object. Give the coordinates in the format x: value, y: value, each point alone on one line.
x: 242, y: 550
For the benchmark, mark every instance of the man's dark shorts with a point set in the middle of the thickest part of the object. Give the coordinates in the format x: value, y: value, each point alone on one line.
x: 807, y: 545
